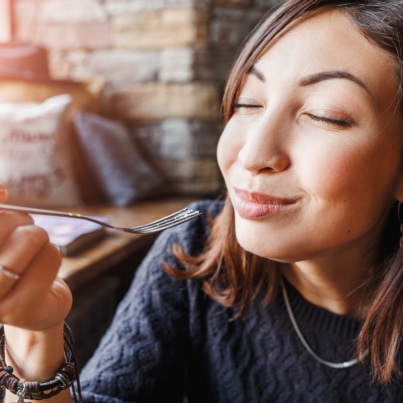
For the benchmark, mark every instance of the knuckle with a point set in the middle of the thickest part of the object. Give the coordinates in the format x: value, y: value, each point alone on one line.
x: 37, y: 236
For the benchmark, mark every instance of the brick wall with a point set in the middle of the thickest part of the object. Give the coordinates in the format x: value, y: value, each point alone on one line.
x: 164, y: 64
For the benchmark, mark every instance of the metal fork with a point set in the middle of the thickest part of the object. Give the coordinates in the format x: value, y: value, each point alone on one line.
x: 161, y: 224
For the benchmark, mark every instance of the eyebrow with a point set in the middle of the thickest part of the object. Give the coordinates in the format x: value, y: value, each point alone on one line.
x: 254, y: 71
x: 329, y: 75
x: 318, y: 77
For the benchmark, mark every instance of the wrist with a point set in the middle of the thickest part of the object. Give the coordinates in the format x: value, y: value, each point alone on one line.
x: 32, y: 381
x: 34, y: 355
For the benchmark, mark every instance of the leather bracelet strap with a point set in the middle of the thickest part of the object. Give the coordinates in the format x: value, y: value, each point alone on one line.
x: 63, y: 379
x: 36, y: 390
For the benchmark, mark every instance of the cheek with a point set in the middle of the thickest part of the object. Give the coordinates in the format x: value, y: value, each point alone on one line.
x: 363, y: 176
x: 227, y: 149
x: 328, y: 173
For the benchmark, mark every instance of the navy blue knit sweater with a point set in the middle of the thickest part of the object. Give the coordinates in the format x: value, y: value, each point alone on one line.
x: 169, y: 340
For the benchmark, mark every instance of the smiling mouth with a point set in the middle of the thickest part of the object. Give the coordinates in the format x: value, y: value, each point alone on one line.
x: 256, y: 205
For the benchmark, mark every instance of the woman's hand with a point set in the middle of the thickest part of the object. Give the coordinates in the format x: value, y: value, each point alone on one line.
x: 37, y: 300
x: 33, y: 301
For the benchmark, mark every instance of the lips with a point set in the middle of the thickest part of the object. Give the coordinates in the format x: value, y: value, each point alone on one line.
x: 256, y: 205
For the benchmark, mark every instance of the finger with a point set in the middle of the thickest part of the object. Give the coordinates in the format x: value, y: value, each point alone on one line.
x: 9, y: 220
x: 41, y: 272
x: 39, y: 300
x: 17, y: 251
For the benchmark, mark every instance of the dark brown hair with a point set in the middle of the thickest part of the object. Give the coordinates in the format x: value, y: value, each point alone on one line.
x: 233, y: 276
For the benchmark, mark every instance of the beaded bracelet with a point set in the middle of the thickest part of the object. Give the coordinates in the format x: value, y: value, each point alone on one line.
x: 63, y: 379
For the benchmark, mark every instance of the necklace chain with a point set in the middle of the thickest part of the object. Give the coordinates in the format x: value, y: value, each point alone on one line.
x: 337, y: 365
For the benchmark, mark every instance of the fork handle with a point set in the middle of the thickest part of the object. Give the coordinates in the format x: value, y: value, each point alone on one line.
x: 32, y: 210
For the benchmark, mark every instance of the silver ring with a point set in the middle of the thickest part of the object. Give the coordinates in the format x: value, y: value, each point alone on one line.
x: 8, y: 273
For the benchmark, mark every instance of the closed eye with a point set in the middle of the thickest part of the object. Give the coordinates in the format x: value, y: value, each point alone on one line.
x: 330, y: 121
x: 243, y: 107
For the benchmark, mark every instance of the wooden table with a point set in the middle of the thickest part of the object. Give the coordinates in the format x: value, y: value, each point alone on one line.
x: 110, y: 251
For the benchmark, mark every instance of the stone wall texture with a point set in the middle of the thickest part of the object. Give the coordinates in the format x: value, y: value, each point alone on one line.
x: 163, y: 63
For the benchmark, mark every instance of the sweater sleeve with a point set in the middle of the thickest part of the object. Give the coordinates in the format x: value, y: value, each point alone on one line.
x: 142, y: 357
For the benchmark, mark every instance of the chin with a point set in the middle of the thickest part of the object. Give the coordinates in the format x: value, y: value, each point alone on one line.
x: 261, y: 246
x: 276, y: 246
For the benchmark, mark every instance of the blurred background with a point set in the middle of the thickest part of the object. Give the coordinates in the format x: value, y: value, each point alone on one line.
x: 161, y: 64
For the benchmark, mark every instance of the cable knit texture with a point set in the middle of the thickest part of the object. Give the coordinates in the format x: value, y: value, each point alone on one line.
x: 169, y: 340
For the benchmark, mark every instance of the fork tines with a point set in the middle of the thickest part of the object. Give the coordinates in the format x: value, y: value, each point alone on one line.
x: 169, y: 221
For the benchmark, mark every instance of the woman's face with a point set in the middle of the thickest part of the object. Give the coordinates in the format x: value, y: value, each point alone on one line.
x: 311, y: 156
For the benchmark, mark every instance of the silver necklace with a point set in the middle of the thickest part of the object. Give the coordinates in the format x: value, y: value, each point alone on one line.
x: 338, y: 365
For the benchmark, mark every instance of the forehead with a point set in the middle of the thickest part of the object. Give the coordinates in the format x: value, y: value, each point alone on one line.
x: 326, y: 41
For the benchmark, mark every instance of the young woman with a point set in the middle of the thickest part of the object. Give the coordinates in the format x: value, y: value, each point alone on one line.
x: 291, y: 289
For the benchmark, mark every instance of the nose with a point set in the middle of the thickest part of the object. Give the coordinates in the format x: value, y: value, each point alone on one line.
x: 265, y: 145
